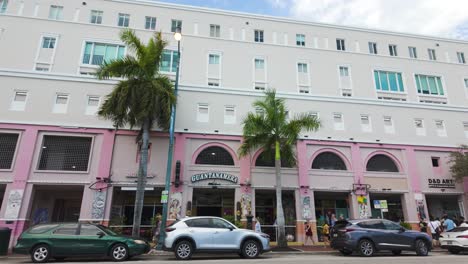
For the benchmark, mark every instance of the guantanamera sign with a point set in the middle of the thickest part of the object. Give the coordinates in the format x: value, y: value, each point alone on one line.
x: 214, y: 176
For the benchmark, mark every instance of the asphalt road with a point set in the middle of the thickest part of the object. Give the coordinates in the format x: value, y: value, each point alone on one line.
x: 272, y: 258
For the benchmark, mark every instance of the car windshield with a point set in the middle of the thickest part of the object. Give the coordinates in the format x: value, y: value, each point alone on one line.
x: 107, y: 230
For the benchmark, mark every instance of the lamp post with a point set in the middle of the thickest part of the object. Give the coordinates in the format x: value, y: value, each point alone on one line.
x: 162, y: 233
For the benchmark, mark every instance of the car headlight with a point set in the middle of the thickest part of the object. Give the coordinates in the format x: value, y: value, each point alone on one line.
x: 140, y: 242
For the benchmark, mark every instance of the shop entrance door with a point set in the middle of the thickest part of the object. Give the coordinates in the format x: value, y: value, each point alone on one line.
x: 213, y: 202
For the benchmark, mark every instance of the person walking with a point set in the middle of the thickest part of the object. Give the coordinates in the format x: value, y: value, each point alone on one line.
x: 157, y: 230
x: 326, y: 235
x: 436, y: 229
x: 258, y: 225
x: 423, y: 226
x: 449, y: 224
x: 308, y: 234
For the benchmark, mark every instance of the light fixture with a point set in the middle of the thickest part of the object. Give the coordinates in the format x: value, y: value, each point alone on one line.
x: 178, y: 34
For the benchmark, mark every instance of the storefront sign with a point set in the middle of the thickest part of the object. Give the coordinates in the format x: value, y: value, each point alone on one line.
x: 380, y: 204
x: 164, y: 196
x: 214, y: 176
x: 441, y: 183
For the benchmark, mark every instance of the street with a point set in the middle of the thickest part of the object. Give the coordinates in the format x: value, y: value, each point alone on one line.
x: 274, y: 258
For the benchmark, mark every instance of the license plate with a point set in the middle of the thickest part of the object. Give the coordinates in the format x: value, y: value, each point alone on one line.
x: 449, y: 243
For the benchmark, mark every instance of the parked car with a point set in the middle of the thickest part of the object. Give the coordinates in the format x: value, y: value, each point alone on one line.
x: 60, y: 241
x: 367, y: 236
x: 455, y: 240
x: 213, y: 235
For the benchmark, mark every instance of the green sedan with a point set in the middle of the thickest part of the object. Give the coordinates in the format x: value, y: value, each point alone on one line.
x: 59, y: 241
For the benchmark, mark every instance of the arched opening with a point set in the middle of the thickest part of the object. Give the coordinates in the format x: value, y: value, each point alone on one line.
x: 381, y: 163
x: 328, y: 161
x: 214, y: 156
x: 264, y: 160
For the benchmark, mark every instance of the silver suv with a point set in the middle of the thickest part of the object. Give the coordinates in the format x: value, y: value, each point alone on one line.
x: 213, y: 235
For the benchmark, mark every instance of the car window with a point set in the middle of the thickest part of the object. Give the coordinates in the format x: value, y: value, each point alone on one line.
x: 89, y: 230
x: 199, y: 222
x: 389, y: 225
x: 39, y: 229
x: 372, y: 224
x: 218, y: 223
x: 68, y: 229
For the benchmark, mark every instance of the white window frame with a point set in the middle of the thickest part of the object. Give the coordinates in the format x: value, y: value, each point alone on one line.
x: 389, y: 129
x: 303, y: 88
x: 461, y: 57
x: 432, y: 54
x: 256, y: 83
x: 338, y: 126
x: 125, y: 21
x: 152, y: 22
x: 19, y: 105
x: 393, y: 50
x: 259, y: 36
x: 413, y: 52
x: 60, y: 108
x: 3, y: 6
x: 373, y: 48
x: 215, y: 31
x: 210, y: 79
x: 420, y: 130
x: 300, y: 40
x: 366, y: 128
x: 49, y: 63
x: 340, y: 44
x: 465, y: 128
x: 91, y: 109
x: 441, y: 131
x: 344, y: 90
x: 465, y: 86
x: 202, y: 118
x: 58, y: 12
x: 96, y: 17
x: 435, y: 75
x: 173, y: 51
x: 230, y: 120
x: 390, y: 92
x: 176, y: 23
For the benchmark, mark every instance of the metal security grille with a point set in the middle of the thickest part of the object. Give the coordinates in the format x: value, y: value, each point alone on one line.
x: 381, y: 163
x: 328, y: 161
x: 65, y: 153
x: 7, y: 149
x: 215, y: 156
x: 265, y: 160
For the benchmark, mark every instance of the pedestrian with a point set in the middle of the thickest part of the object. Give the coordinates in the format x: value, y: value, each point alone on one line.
x: 436, y: 229
x: 464, y: 224
x: 326, y: 234
x: 258, y: 225
x: 449, y: 224
x: 423, y: 226
x: 333, y: 220
x: 157, y: 230
x: 308, y: 234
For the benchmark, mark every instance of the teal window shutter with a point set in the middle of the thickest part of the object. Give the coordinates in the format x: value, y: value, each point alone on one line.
x: 121, y: 52
x: 393, y: 81
x: 441, y: 88
x: 432, y: 85
x: 111, y: 53
x: 384, y: 81
x: 424, y: 84
x: 377, y: 80
x: 87, y: 52
x: 400, y: 83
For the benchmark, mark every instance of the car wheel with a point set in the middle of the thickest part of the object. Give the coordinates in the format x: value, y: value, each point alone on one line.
x: 119, y: 252
x: 421, y: 248
x: 366, y: 248
x: 346, y: 252
x: 40, y: 253
x: 250, y: 249
x: 396, y: 252
x: 183, y: 250
x: 454, y: 250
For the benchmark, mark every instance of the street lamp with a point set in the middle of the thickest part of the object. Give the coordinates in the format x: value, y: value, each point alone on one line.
x: 162, y: 233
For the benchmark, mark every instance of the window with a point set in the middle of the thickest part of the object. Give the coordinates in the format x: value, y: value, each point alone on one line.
x: 61, y: 104
x: 19, y: 101
x: 124, y: 20
x: 435, y: 161
x: 268, y: 160
x: 229, y: 114
x: 96, y: 17
x: 302, y: 67
x: 344, y: 71
x: 465, y: 128
x: 328, y: 161
x: 366, y: 125
x: 466, y: 83
x: 432, y: 54
x: 412, y: 52
x: 48, y: 42
x: 98, y: 53
x: 388, y: 125
x: 338, y: 121
x: 68, y: 229
x: 92, y: 105
x: 89, y: 230
x: 203, y: 113
x: 461, y: 57
x: 440, y: 128
x: 213, y: 59
x: 388, y: 81
x: 199, y: 222
x: 258, y: 35
x: 150, y: 23
x: 372, y: 48
x: 381, y: 163
x: 345, y: 81
x: 218, y: 223
x: 56, y: 12
x: 8, y: 142
x: 215, y: 31
x: 65, y: 153
x: 169, y: 61
x: 300, y: 40
x: 391, y: 225
x: 215, y: 156
x: 340, y: 44
x: 3, y: 6
x: 419, y: 125
x: 393, y: 50
x: 429, y: 85
x: 259, y: 64
x: 176, y: 24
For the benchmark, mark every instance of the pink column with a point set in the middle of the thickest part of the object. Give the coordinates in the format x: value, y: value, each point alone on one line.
x: 105, y: 159
x: 303, y: 166
x: 414, y: 177
x: 358, y: 168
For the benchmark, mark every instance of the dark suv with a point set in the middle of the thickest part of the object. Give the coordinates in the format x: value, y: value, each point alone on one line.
x: 367, y: 236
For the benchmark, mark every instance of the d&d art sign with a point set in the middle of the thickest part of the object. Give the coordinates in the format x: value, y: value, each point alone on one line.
x: 441, y: 183
x: 214, y: 176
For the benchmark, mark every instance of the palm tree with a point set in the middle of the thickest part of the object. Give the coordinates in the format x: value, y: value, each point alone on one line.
x: 274, y: 133
x: 140, y: 99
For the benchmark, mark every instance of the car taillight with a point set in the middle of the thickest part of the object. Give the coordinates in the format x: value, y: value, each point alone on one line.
x: 464, y: 236
x: 170, y: 229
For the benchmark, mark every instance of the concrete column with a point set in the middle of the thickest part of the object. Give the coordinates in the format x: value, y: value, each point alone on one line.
x: 409, y: 210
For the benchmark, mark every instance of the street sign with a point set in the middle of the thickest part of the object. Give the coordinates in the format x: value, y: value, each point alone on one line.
x: 377, y: 204
x: 383, y: 204
x: 164, y: 196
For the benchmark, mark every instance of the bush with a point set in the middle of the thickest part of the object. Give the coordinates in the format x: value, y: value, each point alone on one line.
x: 406, y: 225
x: 233, y: 221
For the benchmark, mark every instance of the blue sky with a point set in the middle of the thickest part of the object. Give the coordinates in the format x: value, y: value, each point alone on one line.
x: 443, y: 18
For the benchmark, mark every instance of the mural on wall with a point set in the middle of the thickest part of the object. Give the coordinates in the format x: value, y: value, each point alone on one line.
x: 13, y: 204
x: 188, y: 211
x: 306, y: 214
x: 246, y: 205
x: 175, y: 205
x: 364, y: 211
x: 421, y: 210
x: 41, y: 215
x: 99, y: 203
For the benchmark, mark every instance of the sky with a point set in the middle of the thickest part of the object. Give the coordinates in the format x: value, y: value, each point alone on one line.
x: 442, y: 18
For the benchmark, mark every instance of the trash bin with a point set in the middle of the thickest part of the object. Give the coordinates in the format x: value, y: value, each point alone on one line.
x: 5, y: 234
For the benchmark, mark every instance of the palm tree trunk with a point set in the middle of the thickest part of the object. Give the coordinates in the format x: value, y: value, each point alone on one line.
x: 279, y: 200
x: 141, y: 184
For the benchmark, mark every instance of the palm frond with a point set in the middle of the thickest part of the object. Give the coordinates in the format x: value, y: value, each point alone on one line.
x: 126, y: 67
x: 130, y: 39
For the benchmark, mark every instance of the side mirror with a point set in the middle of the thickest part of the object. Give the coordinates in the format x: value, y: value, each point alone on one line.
x: 100, y: 234
x: 231, y: 228
x: 402, y: 229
